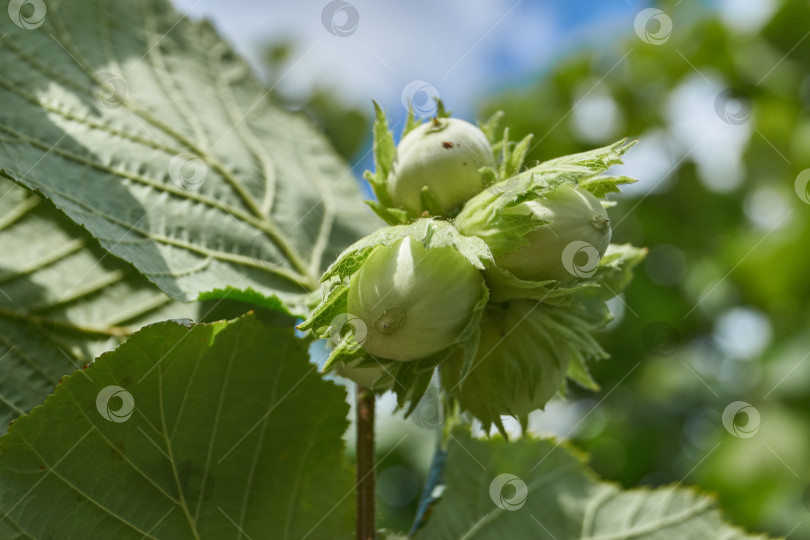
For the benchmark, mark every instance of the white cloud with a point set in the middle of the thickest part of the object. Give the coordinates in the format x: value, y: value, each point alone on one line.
x: 452, y: 46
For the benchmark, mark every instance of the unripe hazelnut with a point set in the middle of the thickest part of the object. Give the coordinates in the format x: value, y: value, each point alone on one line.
x: 414, y: 301
x: 443, y: 155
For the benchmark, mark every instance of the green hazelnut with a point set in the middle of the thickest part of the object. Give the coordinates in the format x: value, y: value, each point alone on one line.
x: 568, y: 246
x: 414, y: 301
x: 443, y: 155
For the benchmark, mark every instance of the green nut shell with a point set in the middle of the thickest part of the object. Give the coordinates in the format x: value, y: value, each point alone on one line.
x: 414, y: 301
x: 516, y: 370
x: 443, y: 155
x: 569, y: 246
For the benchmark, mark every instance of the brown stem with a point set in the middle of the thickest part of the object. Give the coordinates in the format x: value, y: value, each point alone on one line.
x: 365, y: 464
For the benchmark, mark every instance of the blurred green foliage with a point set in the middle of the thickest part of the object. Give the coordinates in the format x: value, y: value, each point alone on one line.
x: 667, y: 384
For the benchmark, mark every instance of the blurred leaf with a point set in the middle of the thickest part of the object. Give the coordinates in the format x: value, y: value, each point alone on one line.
x: 346, y: 127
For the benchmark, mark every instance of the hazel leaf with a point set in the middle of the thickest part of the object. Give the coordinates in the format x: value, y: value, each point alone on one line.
x: 146, y: 129
x: 184, y: 431
x: 542, y: 488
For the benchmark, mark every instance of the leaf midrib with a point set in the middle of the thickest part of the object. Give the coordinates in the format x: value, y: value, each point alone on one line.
x: 201, y: 250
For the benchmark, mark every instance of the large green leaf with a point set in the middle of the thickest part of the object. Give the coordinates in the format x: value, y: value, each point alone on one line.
x: 63, y: 300
x: 540, y: 489
x: 146, y: 129
x: 221, y: 430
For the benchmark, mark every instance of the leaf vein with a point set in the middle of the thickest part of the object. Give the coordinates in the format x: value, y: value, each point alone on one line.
x: 164, y: 75
x: 75, y: 488
x: 245, y: 133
